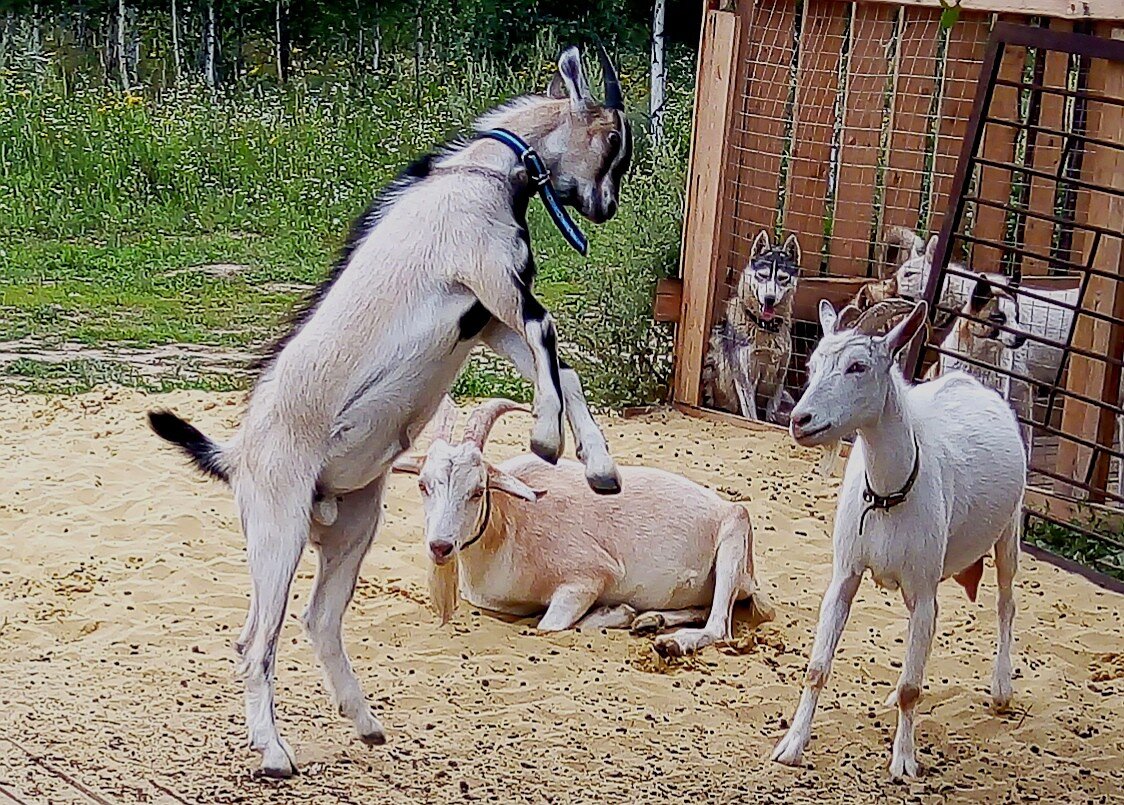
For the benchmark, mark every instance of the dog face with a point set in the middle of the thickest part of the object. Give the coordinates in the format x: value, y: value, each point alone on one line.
x: 768, y: 283
x: 999, y: 309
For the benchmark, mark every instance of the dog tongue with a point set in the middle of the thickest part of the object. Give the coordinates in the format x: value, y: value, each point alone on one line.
x: 767, y: 313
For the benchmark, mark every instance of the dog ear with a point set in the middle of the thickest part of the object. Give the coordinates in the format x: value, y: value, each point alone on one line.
x: 981, y: 294
x: 791, y: 249
x: 761, y: 245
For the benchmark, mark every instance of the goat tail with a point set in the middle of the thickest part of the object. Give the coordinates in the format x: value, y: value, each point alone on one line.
x: 203, y: 452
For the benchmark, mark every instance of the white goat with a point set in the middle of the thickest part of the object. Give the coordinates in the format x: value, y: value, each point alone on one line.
x: 440, y: 263
x: 935, y: 480
x: 665, y: 547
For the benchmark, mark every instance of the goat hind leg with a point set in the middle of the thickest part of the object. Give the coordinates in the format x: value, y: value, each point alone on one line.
x: 1006, y: 565
x: 341, y: 549
x: 731, y: 565
x: 276, y: 527
x: 600, y: 469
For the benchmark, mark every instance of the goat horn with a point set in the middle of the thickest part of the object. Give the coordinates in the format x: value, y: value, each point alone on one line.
x: 874, y: 319
x: 847, y: 318
x: 481, y: 420
x: 614, y: 98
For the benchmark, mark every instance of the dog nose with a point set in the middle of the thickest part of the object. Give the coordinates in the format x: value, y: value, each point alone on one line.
x: 770, y: 301
x: 441, y: 549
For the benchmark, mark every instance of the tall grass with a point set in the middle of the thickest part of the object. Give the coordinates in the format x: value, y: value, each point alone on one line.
x: 106, y: 198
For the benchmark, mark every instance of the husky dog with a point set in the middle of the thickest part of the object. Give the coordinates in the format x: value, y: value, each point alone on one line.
x: 750, y: 348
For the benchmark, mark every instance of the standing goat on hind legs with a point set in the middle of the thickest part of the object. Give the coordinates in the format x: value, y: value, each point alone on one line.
x: 934, y: 482
x: 441, y: 262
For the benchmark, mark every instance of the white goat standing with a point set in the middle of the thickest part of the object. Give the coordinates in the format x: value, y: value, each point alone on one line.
x: 665, y: 547
x: 442, y: 262
x: 935, y: 480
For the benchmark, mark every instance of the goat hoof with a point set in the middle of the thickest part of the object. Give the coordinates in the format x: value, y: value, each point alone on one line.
x: 374, y: 738
x: 605, y: 484
x: 550, y: 453
x: 277, y: 763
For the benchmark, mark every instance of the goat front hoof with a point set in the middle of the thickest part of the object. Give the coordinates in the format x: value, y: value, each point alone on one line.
x: 648, y: 623
x: 548, y: 451
x: 903, y: 766
x: 790, y: 750
x: 376, y: 738
x: 605, y: 484
x: 683, y: 643
x: 278, y: 762
x: 1001, y: 694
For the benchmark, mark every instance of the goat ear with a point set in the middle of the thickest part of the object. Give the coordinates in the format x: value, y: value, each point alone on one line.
x: 575, y: 87
x: 760, y: 244
x: 827, y: 317
x: 931, y: 248
x: 791, y: 249
x: 557, y: 88
x: 408, y: 464
x: 907, y: 328
x: 500, y: 481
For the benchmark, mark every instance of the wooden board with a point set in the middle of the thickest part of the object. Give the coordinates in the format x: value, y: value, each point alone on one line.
x: 994, y: 184
x: 915, y: 71
x: 759, y: 136
x: 1038, y: 236
x: 1094, y: 378
x: 713, y: 100
x: 868, y: 76
x: 963, y: 56
x: 822, y: 34
x: 1063, y: 9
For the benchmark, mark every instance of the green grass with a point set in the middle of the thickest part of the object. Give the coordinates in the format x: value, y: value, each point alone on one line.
x: 1104, y: 552
x: 110, y: 204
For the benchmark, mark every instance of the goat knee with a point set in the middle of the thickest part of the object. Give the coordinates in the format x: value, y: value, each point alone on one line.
x: 816, y: 676
x: 908, y: 694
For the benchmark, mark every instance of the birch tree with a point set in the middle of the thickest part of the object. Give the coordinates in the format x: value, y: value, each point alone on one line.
x: 122, y: 57
x: 658, y: 70
x: 177, y: 67
x: 210, y: 47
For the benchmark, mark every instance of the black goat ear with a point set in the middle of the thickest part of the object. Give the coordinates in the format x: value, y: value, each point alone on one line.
x: 981, y: 294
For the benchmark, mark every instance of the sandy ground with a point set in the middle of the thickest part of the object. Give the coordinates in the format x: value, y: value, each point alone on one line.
x: 122, y: 584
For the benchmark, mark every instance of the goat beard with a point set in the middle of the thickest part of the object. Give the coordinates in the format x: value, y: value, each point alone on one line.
x: 444, y: 584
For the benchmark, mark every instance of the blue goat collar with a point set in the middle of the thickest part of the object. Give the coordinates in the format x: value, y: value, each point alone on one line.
x: 540, y: 178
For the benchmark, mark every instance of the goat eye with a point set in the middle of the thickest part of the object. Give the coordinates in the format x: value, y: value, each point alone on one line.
x: 424, y: 487
x: 856, y: 368
x: 477, y: 494
x: 614, y: 139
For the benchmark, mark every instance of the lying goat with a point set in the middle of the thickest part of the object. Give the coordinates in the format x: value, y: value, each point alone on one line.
x: 665, y: 547
x: 440, y: 263
x: 934, y: 482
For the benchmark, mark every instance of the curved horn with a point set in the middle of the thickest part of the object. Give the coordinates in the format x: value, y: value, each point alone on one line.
x: 614, y: 98
x: 875, y: 319
x: 481, y: 420
x: 847, y: 318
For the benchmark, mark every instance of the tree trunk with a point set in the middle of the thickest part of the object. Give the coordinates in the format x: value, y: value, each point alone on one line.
x: 210, y: 47
x: 122, y: 60
x: 281, y: 44
x: 658, y: 70
x: 134, y: 34
x: 177, y: 67
x: 376, y: 49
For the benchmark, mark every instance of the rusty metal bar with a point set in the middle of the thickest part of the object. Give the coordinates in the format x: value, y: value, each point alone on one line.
x: 1039, y: 129
x: 1008, y: 207
x: 1095, y: 47
x: 1116, y: 409
x: 1074, y: 482
x: 994, y: 163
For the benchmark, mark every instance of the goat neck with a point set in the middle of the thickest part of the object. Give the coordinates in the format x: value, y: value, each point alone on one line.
x: 888, y: 442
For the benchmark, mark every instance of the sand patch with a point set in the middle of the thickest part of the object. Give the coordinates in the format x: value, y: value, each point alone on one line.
x: 122, y: 585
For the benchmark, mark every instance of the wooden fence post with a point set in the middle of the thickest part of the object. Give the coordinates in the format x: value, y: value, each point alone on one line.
x: 1094, y: 378
x: 714, y: 97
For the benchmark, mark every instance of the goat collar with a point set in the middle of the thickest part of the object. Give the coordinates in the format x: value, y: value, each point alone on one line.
x: 540, y: 178
x: 772, y: 325
x: 483, y: 521
x: 887, y: 502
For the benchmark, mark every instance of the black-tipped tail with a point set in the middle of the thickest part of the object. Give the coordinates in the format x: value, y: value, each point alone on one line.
x: 205, y: 454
